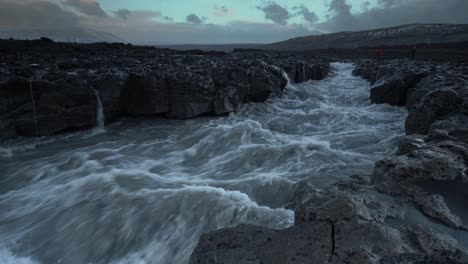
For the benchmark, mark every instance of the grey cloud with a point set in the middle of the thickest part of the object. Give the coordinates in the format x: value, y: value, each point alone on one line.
x: 127, y: 14
x: 275, y: 13
x: 87, y: 7
x: 308, y: 15
x: 139, y: 26
x: 365, y: 6
x: 194, y: 19
x: 340, y: 7
x: 223, y: 11
x: 389, y: 3
x: 123, y: 13
x: 394, y: 12
x: 33, y: 14
x: 167, y: 18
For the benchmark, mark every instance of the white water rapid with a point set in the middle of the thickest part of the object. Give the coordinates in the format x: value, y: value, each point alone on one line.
x: 143, y: 191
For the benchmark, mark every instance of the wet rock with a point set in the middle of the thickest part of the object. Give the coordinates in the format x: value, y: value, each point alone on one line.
x: 263, y: 84
x: 453, y: 128
x: 110, y: 89
x: 146, y: 81
x: 410, y: 143
x: 145, y: 94
x: 55, y: 107
x: 303, y: 71
x: 349, y: 222
x: 435, y: 105
x: 393, y: 90
x: 190, y: 95
x: 247, y: 244
x: 435, y: 206
x: 228, y: 99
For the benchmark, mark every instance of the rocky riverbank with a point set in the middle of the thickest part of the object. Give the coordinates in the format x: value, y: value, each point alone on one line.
x: 410, y: 209
x: 48, y: 88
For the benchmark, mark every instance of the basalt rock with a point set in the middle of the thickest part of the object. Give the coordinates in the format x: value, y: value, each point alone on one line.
x: 302, y: 71
x: 349, y: 222
x: 43, y: 108
x: 393, y: 90
x: 145, y: 94
x: 435, y: 106
x: 131, y: 81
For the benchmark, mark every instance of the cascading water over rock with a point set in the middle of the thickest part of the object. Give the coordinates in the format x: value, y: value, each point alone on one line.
x: 144, y: 191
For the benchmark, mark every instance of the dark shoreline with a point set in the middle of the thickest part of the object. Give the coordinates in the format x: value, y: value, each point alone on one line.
x: 48, y: 88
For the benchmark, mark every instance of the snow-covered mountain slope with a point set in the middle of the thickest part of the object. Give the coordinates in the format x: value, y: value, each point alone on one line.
x: 394, y: 36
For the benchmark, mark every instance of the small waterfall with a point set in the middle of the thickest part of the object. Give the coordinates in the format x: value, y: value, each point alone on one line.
x: 99, y: 110
x: 285, y: 75
x: 33, y: 102
x: 304, y: 73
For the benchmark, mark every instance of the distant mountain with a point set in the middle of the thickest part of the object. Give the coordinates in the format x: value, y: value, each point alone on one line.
x: 207, y: 47
x: 75, y: 35
x: 394, y: 36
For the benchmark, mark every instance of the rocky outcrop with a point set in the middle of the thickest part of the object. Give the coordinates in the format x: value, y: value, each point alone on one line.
x: 301, y: 72
x: 44, y: 108
x: 51, y: 87
x: 430, y: 91
x: 435, y: 105
x: 410, y: 209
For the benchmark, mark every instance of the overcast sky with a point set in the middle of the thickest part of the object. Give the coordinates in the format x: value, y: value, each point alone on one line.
x: 223, y: 21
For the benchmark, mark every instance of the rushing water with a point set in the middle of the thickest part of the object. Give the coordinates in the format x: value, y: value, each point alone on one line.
x: 99, y: 111
x: 144, y: 191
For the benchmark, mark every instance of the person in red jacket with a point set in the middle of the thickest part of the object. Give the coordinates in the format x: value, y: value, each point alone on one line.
x: 379, y: 54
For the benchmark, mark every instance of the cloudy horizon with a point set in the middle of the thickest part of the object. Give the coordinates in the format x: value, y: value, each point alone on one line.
x: 222, y: 21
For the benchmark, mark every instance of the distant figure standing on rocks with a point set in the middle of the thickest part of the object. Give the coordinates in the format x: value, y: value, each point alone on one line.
x: 413, y: 53
x: 379, y: 54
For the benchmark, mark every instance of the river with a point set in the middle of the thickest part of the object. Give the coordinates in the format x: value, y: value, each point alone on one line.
x: 143, y: 191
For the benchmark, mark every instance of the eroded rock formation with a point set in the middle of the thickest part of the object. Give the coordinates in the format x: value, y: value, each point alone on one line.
x: 47, y: 87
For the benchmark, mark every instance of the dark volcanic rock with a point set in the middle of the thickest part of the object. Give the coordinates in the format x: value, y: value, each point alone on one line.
x: 145, y: 94
x: 302, y: 71
x: 44, y: 108
x: 435, y: 105
x: 132, y: 81
x: 191, y: 95
x: 394, y: 89
x: 265, y: 245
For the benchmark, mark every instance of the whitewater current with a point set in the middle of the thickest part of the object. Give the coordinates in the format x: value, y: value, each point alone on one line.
x: 143, y: 191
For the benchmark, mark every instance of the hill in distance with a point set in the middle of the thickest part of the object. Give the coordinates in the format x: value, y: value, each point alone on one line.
x: 394, y: 36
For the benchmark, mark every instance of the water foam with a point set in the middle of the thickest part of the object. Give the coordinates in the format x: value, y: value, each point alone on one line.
x: 144, y: 191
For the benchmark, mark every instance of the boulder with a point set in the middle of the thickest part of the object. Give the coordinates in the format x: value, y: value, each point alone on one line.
x: 393, y: 90
x: 263, y: 84
x: 434, y: 106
